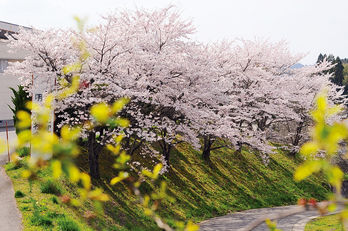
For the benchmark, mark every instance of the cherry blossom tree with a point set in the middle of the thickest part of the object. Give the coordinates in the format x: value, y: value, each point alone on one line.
x: 180, y: 90
x: 259, y: 88
x: 303, y: 86
x: 133, y: 54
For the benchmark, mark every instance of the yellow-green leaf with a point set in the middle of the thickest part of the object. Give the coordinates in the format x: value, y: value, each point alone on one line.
x: 191, y: 227
x: 118, y: 138
x: 119, y: 104
x: 24, y: 119
x: 123, y: 158
x: 121, y: 176
x: 307, y: 169
x: 86, y: 180
x: 74, y: 174
x: 309, y: 148
x: 335, y: 176
x: 122, y: 122
x: 56, y: 168
x: 75, y: 67
x: 156, y: 170
x: 100, y: 112
x: 69, y: 134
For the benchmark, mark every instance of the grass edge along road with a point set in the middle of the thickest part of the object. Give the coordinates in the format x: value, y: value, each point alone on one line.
x: 325, y: 223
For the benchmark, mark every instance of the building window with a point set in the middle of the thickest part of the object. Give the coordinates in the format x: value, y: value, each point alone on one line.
x: 3, y: 65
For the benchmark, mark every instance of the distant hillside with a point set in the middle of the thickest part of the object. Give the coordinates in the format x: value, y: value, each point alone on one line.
x: 297, y: 65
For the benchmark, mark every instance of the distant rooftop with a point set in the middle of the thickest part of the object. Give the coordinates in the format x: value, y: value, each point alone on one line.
x: 8, y: 29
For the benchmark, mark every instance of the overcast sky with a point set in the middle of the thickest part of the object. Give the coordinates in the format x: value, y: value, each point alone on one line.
x: 313, y: 26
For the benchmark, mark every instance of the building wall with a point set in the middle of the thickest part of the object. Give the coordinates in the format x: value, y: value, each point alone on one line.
x: 7, y: 81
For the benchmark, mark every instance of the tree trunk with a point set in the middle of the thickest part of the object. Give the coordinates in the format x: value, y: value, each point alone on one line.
x: 166, y: 148
x: 206, y: 154
x: 296, y: 140
x: 262, y: 123
x: 132, y: 145
x: 240, y: 146
x: 93, y: 156
x: 208, y: 142
x: 298, y: 136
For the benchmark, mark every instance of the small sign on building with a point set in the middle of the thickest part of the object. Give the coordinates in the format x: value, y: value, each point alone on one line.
x: 41, y: 87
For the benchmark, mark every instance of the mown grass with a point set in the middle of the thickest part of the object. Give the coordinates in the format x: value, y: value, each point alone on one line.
x: 327, y: 223
x: 231, y: 182
x: 43, y: 211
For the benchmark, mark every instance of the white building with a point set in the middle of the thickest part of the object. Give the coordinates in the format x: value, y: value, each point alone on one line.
x: 6, y: 81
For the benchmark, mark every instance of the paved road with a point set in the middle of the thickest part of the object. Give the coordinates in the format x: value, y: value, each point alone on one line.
x: 10, y: 217
x: 238, y: 221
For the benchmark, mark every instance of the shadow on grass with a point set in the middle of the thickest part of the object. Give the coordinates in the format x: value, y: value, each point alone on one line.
x: 230, y: 182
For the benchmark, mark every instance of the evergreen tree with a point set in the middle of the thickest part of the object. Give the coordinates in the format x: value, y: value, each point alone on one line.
x: 320, y: 58
x: 19, y: 100
x: 338, y: 72
x: 330, y: 58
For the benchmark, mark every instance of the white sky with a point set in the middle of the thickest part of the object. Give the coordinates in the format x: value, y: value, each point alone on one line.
x: 313, y: 26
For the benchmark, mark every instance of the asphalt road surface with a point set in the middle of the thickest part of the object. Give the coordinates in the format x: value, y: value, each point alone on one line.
x: 238, y: 221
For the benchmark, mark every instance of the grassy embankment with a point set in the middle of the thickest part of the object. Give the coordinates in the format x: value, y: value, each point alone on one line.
x: 232, y: 183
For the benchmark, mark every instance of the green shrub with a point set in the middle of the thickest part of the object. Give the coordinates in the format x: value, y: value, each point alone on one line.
x: 24, y: 151
x: 54, y: 199
x: 27, y: 201
x: 19, y: 99
x: 12, y: 166
x: 54, y: 214
x: 25, y: 208
x: 50, y: 187
x: 66, y: 224
x: 19, y: 194
x: 40, y: 220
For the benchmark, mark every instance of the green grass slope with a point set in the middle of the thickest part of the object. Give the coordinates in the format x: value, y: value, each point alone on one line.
x: 326, y: 223
x: 232, y: 182
x: 44, y: 211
